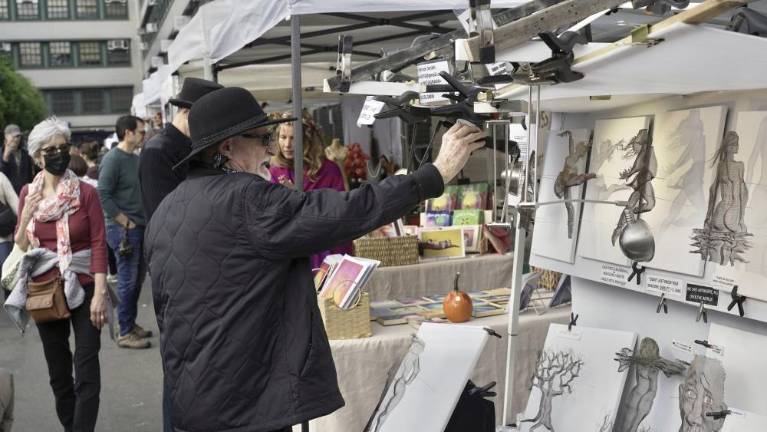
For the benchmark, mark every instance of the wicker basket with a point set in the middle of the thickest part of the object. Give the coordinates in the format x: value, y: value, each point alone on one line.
x: 549, y: 279
x: 346, y: 324
x: 391, y: 251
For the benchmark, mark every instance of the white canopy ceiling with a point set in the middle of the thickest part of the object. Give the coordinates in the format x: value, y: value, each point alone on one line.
x: 691, y: 59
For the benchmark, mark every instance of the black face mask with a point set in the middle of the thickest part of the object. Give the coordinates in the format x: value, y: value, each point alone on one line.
x: 57, y: 162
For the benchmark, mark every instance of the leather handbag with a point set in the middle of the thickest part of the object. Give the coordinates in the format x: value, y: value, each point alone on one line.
x: 46, y: 301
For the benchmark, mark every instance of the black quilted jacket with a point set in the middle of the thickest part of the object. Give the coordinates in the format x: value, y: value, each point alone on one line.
x: 242, y: 341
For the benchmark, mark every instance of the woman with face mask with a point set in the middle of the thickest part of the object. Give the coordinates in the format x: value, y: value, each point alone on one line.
x: 319, y: 172
x: 61, y: 228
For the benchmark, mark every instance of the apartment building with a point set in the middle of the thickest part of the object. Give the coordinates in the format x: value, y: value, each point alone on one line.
x: 159, y: 23
x: 84, y: 55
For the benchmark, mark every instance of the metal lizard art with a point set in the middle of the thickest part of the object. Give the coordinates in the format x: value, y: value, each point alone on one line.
x: 570, y: 177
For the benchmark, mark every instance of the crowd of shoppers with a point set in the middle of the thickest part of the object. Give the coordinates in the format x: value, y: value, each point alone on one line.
x: 209, y: 206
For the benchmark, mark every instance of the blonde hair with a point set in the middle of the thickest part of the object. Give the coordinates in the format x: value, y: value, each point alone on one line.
x: 314, y: 153
x: 46, y: 131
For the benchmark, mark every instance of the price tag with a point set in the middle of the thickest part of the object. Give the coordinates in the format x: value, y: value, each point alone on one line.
x: 682, y: 347
x: 428, y: 73
x: 369, y: 110
x: 723, y: 283
x: 519, y: 134
x: 573, y: 334
x: 665, y: 285
x: 615, y: 275
x: 702, y: 294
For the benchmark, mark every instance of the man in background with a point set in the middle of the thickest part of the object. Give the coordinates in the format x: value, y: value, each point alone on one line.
x: 167, y: 148
x: 121, y: 199
x: 16, y: 163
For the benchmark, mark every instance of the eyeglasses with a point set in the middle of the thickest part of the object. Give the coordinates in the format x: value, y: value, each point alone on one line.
x: 63, y: 148
x: 266, y: 139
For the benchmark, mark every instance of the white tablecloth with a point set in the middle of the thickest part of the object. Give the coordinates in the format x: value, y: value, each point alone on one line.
x: 436, y: 277
x: 363, y: 364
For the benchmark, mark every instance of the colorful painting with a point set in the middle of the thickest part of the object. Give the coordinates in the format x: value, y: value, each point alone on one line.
x: 442, y: 243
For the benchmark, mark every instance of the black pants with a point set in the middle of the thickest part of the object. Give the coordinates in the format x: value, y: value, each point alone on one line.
x: 77, y: 400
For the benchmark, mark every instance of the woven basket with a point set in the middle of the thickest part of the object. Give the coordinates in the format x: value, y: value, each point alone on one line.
x: 346, y: 324
x: 549, y: 279
x: 391, y: 251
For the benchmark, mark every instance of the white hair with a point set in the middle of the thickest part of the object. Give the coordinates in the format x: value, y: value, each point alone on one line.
x: 45, y: 131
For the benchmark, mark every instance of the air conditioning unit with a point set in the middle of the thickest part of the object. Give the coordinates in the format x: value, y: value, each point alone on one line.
x: 118, y: 45
x: 144, y: 46
x: 5, y: 47
x: 151, y: 28
x: 165, y: 45
x: 115, y: 1
x: 33, y: 2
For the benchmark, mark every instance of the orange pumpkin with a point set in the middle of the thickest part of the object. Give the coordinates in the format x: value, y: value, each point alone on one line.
x: 457, y: 304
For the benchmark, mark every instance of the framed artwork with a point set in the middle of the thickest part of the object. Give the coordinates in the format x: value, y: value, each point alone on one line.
x: 442, y: 243
x: 471, y: 237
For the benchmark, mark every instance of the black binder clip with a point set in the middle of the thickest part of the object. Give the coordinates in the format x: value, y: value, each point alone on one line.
x: 492, y: 332
x: 737, y: 300
x: 662, y: 304
x: 718, y: 415
x: 573, y: 321
x: 702, y: 314
x: 637, y: 271
x: 704, y: 343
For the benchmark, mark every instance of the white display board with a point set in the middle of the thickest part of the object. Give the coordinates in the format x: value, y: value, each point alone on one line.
x: 577, y: 386
x: 610, y: 155
x: 551, y: 235
x: 428, y: 383
x: 685, y: 142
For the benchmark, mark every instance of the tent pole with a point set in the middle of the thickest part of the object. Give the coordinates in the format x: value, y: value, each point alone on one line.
x: 298, y: 129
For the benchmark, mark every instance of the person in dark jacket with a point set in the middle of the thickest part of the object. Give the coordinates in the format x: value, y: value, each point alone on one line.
x: 168, y: 147
x: 16, y: 164
x: 241, y: 337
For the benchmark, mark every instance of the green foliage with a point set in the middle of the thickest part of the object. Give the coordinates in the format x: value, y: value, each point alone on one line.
x: 20, y: 102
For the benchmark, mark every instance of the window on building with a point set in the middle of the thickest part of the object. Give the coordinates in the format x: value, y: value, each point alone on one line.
x: 58, y: 9
x: 90, y: 53
x: 116, y: 8
x: 122, y: 99
x: 118, y: 52
x: 5, y: 11
x: 87, y: 8
x: 92, y: 101
x: 60, y: 54
x: 30, y: 54
x: 27, y: 9
x: 61, y: 102
x: 6, y: 51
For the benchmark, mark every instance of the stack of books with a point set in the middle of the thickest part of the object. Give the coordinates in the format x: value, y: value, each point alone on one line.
x: 342, y: 278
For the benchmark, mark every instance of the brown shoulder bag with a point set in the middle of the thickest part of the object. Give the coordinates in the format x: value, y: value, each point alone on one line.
x: 46, y: 301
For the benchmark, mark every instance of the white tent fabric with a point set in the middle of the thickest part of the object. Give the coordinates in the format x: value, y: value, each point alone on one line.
x: 153, y: 85
x: 138, y: 107
x: 222, y: 27
x: 692, y: 59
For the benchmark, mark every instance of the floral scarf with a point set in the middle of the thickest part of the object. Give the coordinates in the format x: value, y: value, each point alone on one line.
x: 56, y: 208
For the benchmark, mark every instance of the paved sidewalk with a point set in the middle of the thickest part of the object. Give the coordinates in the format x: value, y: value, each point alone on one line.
x: 131, y: 380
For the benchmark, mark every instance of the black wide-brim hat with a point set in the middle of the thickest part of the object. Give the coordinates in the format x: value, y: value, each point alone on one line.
x: 223, y: 114
x: 192, y: 90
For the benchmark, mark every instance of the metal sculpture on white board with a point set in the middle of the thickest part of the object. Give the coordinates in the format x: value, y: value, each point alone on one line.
x: 638, y: 399
x: 701, y: 395
x: 724, y: 237
x: 632, y: 233
x: 569, y: 177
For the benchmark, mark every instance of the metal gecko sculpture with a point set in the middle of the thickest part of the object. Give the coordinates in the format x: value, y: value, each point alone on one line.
x: 569, y: 177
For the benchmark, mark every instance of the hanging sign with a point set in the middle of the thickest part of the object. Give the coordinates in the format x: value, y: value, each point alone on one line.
x: 369, y: 110
x: 702, y: 294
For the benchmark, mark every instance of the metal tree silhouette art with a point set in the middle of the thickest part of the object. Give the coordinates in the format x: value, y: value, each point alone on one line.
x: 554, y: 374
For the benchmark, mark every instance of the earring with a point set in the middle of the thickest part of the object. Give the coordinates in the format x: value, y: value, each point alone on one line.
x: 219, y: 161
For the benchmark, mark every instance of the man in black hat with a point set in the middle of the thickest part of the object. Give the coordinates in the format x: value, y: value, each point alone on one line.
x: 242, y: 341
x: 165, y: 149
